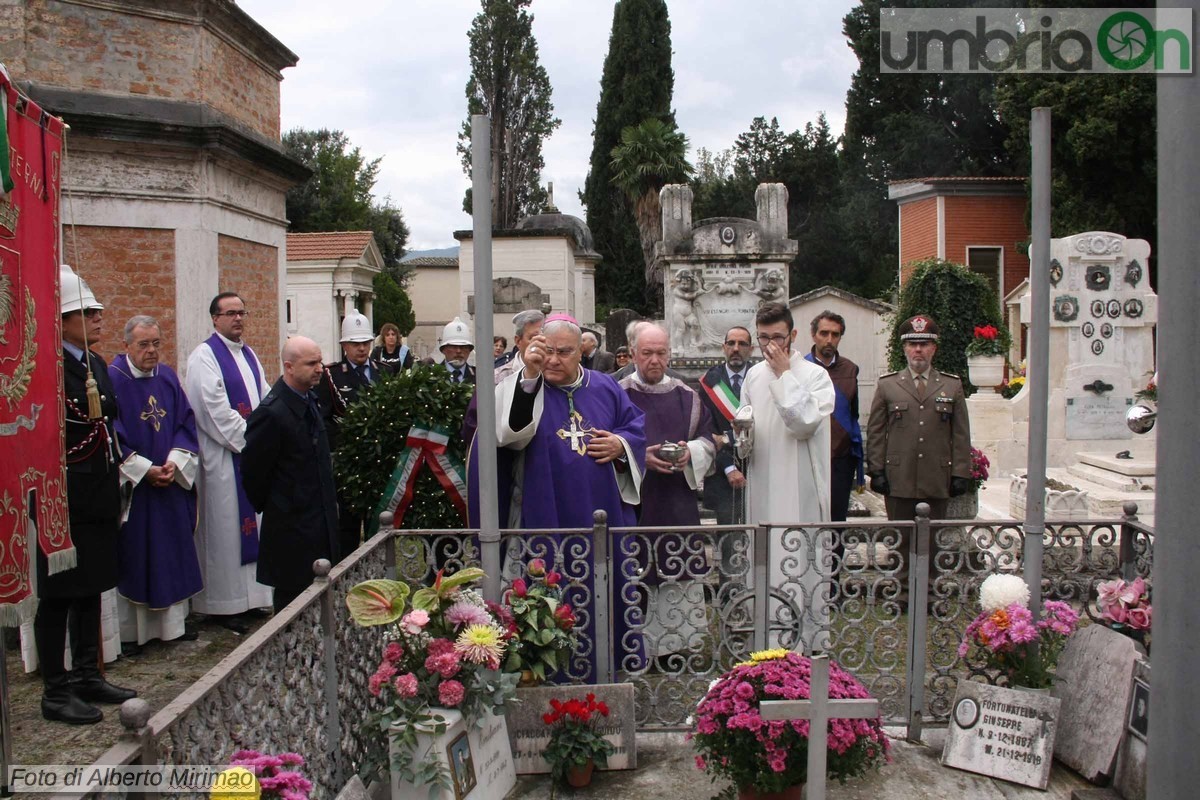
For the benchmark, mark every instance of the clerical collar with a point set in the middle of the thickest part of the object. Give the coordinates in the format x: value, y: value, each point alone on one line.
x: 637, y: 377
x: 137, y: 373
x: 575, y: 384
x: 233, y: 346
x: 73, y: 350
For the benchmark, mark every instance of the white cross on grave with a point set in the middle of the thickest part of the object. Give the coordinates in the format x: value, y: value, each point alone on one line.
x: 818, y: 710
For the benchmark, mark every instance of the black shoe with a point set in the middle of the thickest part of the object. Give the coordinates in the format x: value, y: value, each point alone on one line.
x: 260, y: 613
x: 60, y: 705
x: 98, y: 690
x: 130, y: 649
x: 238, y: 626
x: 189, y: 635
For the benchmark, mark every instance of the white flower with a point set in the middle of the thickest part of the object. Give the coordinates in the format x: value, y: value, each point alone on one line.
x: 1001, y: 591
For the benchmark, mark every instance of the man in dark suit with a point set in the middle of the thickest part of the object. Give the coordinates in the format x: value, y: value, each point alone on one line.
x: 593, y: 357
x: 337, y: 391
x: 456, y: 346
x: 288, y: 475
x: 94, y: 511
x: 722, y: 392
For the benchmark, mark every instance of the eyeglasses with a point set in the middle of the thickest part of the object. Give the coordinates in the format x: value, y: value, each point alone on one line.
x: 778, y: 338
x: 232, y: 314
x: 157, y: 343
x: 733, y: 343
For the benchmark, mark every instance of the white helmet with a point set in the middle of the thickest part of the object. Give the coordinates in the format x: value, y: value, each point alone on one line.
x: 74, y: 292
x: 456, y: 332
x: 356, y: 328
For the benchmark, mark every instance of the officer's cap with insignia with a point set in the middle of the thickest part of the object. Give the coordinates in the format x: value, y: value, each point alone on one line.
x: 356, y: 328
x: 919, y: 329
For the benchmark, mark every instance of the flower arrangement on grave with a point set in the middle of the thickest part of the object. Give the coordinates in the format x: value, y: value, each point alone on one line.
x: 1126, y: 607
x: 544, y: 625
x: 988, y: 340
x: 444, y: 652
x: 575, y: 746
x: 252, y: 774
x: 979, y: 469
x: 1005, y: 628
x: 1149, y: 394
x: 735, y: 742
x: 1014, y: 386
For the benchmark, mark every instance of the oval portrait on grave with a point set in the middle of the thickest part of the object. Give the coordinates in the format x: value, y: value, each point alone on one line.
x: 1089, y: 330
x: 728, y: 234
x: 1097, y: 308
x: 1114, y: 308
x: 1066, y: 308
x: 966, y: 713
x: 1133, y: 308
x: 1097, y: 346
x: 1106, y: 330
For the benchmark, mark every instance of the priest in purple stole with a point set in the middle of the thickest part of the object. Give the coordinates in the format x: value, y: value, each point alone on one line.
x: 676, y: 418
x: 584, y: 448
x: 156, y: 430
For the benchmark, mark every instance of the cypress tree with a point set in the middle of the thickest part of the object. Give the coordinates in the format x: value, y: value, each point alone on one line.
x: 636, y: 85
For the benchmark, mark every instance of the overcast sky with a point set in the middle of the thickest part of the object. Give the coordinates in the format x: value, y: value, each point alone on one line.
x: 392, y: 76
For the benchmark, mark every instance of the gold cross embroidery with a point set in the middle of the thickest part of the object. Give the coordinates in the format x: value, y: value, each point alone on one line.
x: 576, y: 433
x: 153, y: 414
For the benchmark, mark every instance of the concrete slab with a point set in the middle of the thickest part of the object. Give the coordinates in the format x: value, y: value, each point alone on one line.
x: 1101, y: 476
x: 1122, y: 466
x: 666, y: 768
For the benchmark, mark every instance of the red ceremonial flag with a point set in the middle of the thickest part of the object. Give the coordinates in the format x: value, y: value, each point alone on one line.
x: 32, y: 472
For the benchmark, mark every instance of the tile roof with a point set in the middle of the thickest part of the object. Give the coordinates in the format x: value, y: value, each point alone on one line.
x: 962, y: 179
x: 327, y: 245
x: 432, y: 261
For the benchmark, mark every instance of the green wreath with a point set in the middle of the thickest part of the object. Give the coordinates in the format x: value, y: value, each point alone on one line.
x: 373, y: 434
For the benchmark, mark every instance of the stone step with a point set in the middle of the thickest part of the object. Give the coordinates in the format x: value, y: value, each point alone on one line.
x: 1103, y: 501
x: 1133, y: 467
x: 1108, y: 478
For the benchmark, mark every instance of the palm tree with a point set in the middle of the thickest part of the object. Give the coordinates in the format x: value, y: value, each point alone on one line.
x: 650, y: 155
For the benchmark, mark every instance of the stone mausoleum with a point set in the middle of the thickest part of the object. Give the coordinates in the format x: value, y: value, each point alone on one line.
x: 175, y: 176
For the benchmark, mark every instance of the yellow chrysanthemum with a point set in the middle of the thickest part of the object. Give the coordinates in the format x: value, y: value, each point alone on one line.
x: 769, y: 655
x: 480, y: 644
x: 236, y: 783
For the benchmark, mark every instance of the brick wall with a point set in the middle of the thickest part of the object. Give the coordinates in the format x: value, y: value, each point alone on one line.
x: 973, y: 221
x: 918, y: 233
x: 252, y: 270
x: 131, y: 271
x: 92, y: 48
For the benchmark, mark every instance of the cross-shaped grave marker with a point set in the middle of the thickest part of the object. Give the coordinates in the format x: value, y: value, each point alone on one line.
x: 818, y: 710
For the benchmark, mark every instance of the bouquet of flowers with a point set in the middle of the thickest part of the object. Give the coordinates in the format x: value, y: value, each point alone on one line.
x: 253, y: 774
x: 443, y: 652
x: 736, y: 743
x: 979, y: 468
x: 1014, y: 386
x: 1002, y: 633
x: 1126, y: 607
x: 544, y: 625
x: 988, y: 341
x: 1149, y: 394
x: 574, y: 741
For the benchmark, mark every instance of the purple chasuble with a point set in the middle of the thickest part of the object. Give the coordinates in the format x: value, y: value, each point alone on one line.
x: 239, y: 401
x: 674, y: 413
x: 159, y: 567
x: 562, y: 488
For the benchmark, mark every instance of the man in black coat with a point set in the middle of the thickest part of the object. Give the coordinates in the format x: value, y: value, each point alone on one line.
x: 287, y: 472
x: 336, y: 392
x: 94, y: 510
x: 721, y: 390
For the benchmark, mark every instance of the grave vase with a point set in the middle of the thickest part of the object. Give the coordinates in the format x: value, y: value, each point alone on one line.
x: 986, y: 372
x: 791, y: 793
x: 965, y: 506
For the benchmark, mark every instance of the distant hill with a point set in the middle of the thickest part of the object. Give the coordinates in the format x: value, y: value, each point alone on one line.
x: 442, y: 252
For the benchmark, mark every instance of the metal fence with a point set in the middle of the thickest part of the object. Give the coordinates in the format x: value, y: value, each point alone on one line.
x: 667, y: 610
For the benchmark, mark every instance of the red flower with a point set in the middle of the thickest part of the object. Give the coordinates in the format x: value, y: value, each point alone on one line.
x: 564, y: 615
x: 986, y: 332
x: 519, y: 588
x: 553, y: 578
x: 537, y: 568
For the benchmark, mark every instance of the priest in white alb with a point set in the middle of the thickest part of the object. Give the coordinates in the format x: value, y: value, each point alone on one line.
x: 788, y: 481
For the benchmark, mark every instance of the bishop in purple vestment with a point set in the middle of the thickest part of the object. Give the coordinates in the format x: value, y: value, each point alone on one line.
x: 584, y: 448
x: 156, y: 430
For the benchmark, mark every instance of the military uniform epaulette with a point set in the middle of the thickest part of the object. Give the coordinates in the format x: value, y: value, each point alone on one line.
x: 269, y: 399
x: 950, y: 375
x: 890, y: 374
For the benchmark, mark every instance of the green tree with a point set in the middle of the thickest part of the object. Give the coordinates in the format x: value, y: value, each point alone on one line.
x: 637, y: 84
x: 509, y: 84
x: 392, y: 304
x: 650, y: 156
x: 338, y: 195
x: 958, y: 300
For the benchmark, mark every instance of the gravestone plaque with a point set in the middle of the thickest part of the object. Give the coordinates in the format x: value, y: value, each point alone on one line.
x: 1002, y: 733
x: 1094, y: 682
x: 530, y: 735
x: 478, y: 760
x: 1091, y: 416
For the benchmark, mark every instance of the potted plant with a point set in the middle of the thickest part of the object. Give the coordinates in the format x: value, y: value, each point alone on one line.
x: 985, y: 355
x: 575, y: 747
x: 1000, y: 636
x: 254, y: 774
x: 544, y: 625
x: 1016, y: 382
x: 441, y: 654
x: 966, y: 506
x: 1126, y: 607
x: 767, y: 759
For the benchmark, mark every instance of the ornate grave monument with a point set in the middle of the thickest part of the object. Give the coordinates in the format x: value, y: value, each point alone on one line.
x: 717, y: 271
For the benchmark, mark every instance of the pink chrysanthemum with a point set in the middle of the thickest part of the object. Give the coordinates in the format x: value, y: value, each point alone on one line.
x: 461, y: 614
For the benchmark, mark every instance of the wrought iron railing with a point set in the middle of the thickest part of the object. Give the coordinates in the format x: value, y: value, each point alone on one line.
x: 666, y: 609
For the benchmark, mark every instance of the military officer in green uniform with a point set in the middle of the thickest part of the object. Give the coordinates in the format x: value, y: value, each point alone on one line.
x: 918, y: 436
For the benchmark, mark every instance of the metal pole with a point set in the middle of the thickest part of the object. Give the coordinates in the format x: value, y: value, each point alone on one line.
x: 1172, y: 767
x: 918, y: 618
x: 485, y: 384
x: 5, y: 742
x: 606, y: 558
x: 1039, y: 355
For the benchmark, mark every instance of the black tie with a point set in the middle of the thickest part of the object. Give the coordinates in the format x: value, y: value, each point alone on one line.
x: 310, y: 415
x: 736, y: 380
x: 458, y: 376
x: 362, y: 373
